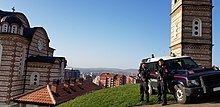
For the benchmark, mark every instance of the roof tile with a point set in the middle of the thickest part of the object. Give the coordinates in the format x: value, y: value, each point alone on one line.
x: 53, y: 95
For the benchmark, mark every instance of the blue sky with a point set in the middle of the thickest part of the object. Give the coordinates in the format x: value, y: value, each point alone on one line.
x: 106, y: 33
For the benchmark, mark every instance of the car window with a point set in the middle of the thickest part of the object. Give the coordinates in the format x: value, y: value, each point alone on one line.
x: 173, y: 64
x: 152, y: 67
x: 182, y: 63
x: 189, y: 63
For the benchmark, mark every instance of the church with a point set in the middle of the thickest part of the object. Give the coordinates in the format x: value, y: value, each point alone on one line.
x: 26, y: 58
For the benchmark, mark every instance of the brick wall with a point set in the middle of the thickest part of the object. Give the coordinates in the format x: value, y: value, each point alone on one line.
x: 182, y: 41
x: 11, y: 78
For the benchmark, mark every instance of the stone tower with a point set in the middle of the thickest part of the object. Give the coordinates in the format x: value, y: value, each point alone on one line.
x: 191, y: 30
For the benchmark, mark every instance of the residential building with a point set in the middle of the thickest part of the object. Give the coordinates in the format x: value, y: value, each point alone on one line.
x: 96, y: 80
x: 71, y: 74
x: 131, y: 80
x: 106, y: 80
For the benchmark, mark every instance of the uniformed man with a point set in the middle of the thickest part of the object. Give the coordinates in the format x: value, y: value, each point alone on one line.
x: 143, y: 75
x: 162, y: 78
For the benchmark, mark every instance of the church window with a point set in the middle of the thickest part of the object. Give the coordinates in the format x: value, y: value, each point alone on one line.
x: 22, y: 62
x: 21, y: 31
x: 176, y: 30
x: 196, y: 33
x: 197, y: 27
x: 175, y: 1
x: 14, y: 29
x: 1, y: 48
x: 35, y: 76
x: 196, y: 22
x: 5, y: 28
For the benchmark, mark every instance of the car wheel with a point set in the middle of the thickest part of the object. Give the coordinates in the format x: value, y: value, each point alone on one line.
x: 181, y: 95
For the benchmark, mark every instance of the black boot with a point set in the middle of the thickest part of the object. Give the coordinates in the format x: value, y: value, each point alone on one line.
x: 164, y: 104
x: 147, y: 99
x: 159, y: 101
x: 147, y: 102
x: 141, y: 99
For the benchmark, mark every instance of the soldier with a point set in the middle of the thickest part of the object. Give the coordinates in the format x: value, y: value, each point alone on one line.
x: 162, y: 78
x: 144, y: 76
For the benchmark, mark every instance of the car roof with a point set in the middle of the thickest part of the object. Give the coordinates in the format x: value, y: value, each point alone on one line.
x: 148, y: 60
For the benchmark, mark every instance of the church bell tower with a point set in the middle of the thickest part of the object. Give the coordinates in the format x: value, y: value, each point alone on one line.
x: 191, y: 30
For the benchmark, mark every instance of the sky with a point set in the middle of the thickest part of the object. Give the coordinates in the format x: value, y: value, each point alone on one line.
x: 106, y: 33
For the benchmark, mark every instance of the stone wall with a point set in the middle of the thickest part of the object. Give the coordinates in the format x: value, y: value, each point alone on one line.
x: 199, y: 48
x: 47, y: 72
x: 11, y: 74
x: 182, y: 40
x: 39, y: 36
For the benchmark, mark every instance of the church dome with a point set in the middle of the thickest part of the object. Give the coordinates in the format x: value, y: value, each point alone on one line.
x: 12, y: 19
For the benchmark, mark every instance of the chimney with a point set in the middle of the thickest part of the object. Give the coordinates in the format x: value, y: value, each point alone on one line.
x: 55, y: 86
x: 81, y: 81
x: 72, y: 82
x: 67, y: 83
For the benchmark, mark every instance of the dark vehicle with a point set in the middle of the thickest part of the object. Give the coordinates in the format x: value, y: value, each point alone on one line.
x: 186, y: 79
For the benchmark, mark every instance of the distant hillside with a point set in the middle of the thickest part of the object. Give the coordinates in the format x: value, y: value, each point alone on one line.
x: 110, y: 70
x: 121, y: 96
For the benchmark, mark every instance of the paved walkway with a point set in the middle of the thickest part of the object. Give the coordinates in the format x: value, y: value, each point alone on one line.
x: 185, y: 105
x: 206, y: 101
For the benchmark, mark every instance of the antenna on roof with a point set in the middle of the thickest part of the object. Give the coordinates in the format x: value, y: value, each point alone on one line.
x: 173, y: 54
x: 152, y: 56
x: 13, y: 9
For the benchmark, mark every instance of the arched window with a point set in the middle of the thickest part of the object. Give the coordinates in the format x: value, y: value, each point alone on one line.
x: 14, y: 29
x: 62, y: 70
x: 22, y: 61
x: 21, y: 31
x: 197, y: 27
x: 1, y: 49
x: 5, y: 28
x: 35, y: 77
x: 175, y: 1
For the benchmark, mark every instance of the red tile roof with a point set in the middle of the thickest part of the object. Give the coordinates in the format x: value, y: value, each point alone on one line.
x: 108, y: 74
x: 53, y: 95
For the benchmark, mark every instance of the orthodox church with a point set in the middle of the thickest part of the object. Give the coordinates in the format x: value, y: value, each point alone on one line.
x: 26, y: 59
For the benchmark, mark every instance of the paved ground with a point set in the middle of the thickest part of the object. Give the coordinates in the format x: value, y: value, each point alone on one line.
x: 208, y: 101
x: 185, y: 105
